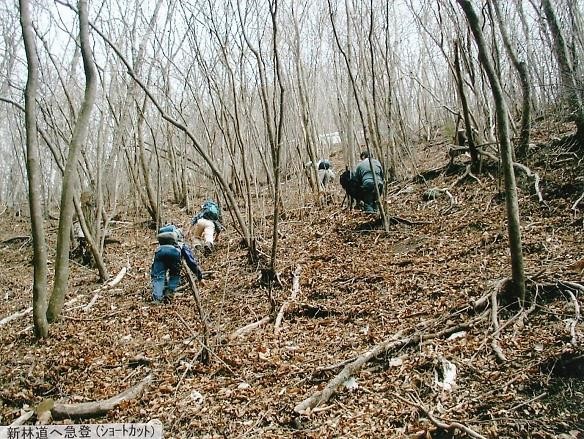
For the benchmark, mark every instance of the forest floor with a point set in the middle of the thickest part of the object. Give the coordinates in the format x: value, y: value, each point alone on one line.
x: 359, y: 286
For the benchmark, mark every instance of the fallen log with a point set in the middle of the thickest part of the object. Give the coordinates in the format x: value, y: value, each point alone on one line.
x: 99, y: 408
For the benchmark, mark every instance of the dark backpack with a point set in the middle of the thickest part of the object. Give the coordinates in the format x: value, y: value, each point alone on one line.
x: 349, y: 184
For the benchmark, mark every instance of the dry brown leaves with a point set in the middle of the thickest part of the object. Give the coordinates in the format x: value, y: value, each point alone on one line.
x: 359, y: 286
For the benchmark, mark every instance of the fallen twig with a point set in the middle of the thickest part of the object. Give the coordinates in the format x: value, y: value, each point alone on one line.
x: 574, y: 340
x: 202, y: 315
x: 451, y: 425
x: 15, y: 316
x: 295, y: 290
x: 495, y: 319
x: 529, y: 401
x: 22, y: 418
x: 575, y: 205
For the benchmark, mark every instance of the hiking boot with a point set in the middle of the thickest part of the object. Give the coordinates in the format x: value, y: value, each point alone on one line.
x: 168, y: 295
x: 208, y: 249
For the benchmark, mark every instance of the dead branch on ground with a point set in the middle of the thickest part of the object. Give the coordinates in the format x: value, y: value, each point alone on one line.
x: 575, y: 205
x: 202, y: 314
x: 450, y: 426
x: 495, y: 319
x: 249, y: 328
x: 574, y: 339
x: 321, y: 397
x: 107, y: 286
x: 99, y: 408
x: 294, y: 293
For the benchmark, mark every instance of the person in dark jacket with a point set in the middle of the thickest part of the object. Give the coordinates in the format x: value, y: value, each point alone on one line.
x: 168, y: 260
x: 367, y: 173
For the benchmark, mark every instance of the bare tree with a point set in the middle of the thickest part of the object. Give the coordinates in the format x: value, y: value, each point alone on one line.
x: 69, y: 177
x: 571, y: 89
x: 518, y: 272
x: 39, y: 290
x: 523, y: 74
x: 384, y: 218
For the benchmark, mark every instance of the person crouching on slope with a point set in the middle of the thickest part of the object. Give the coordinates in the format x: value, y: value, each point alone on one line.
x: 365, y: 181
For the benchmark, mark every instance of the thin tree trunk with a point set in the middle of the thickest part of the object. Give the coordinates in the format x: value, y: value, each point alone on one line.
x: 39, y: 289
x: 523, y: 74
x: 465, y: 109
x: 69, y: 176
x: 360, y: 111
x: 569, y: 83
x: 512, y: 204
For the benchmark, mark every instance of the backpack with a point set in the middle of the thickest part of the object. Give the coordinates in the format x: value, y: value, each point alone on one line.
x: 211, y: 210
x: 324, y: 164
x: 169, y: 235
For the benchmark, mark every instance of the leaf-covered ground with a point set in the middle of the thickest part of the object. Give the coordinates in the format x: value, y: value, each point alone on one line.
x: 359, y: 286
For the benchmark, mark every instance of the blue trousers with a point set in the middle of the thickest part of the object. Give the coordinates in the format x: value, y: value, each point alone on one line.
x: 369, y: 196
x: 166, y: 259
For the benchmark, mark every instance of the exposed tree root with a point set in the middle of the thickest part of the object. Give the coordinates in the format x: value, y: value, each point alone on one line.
x: 467, y: 173
x: 99, y: 408
x: 522, y: 167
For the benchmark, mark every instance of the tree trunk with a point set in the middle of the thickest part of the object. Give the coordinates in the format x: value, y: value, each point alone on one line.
x: 512, y: 205
x: 569, y: 83
x: 39, y: 289
x: 523, y: 74
x: 69, y: 176
x: 465, y: 109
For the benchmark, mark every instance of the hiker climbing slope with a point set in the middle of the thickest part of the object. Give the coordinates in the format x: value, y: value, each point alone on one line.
x: 167, y: 261
x: 206, y: 226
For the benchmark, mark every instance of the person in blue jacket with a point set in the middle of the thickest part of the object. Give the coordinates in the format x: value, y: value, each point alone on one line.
x: 364, y: 180
x: 166, y: 266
